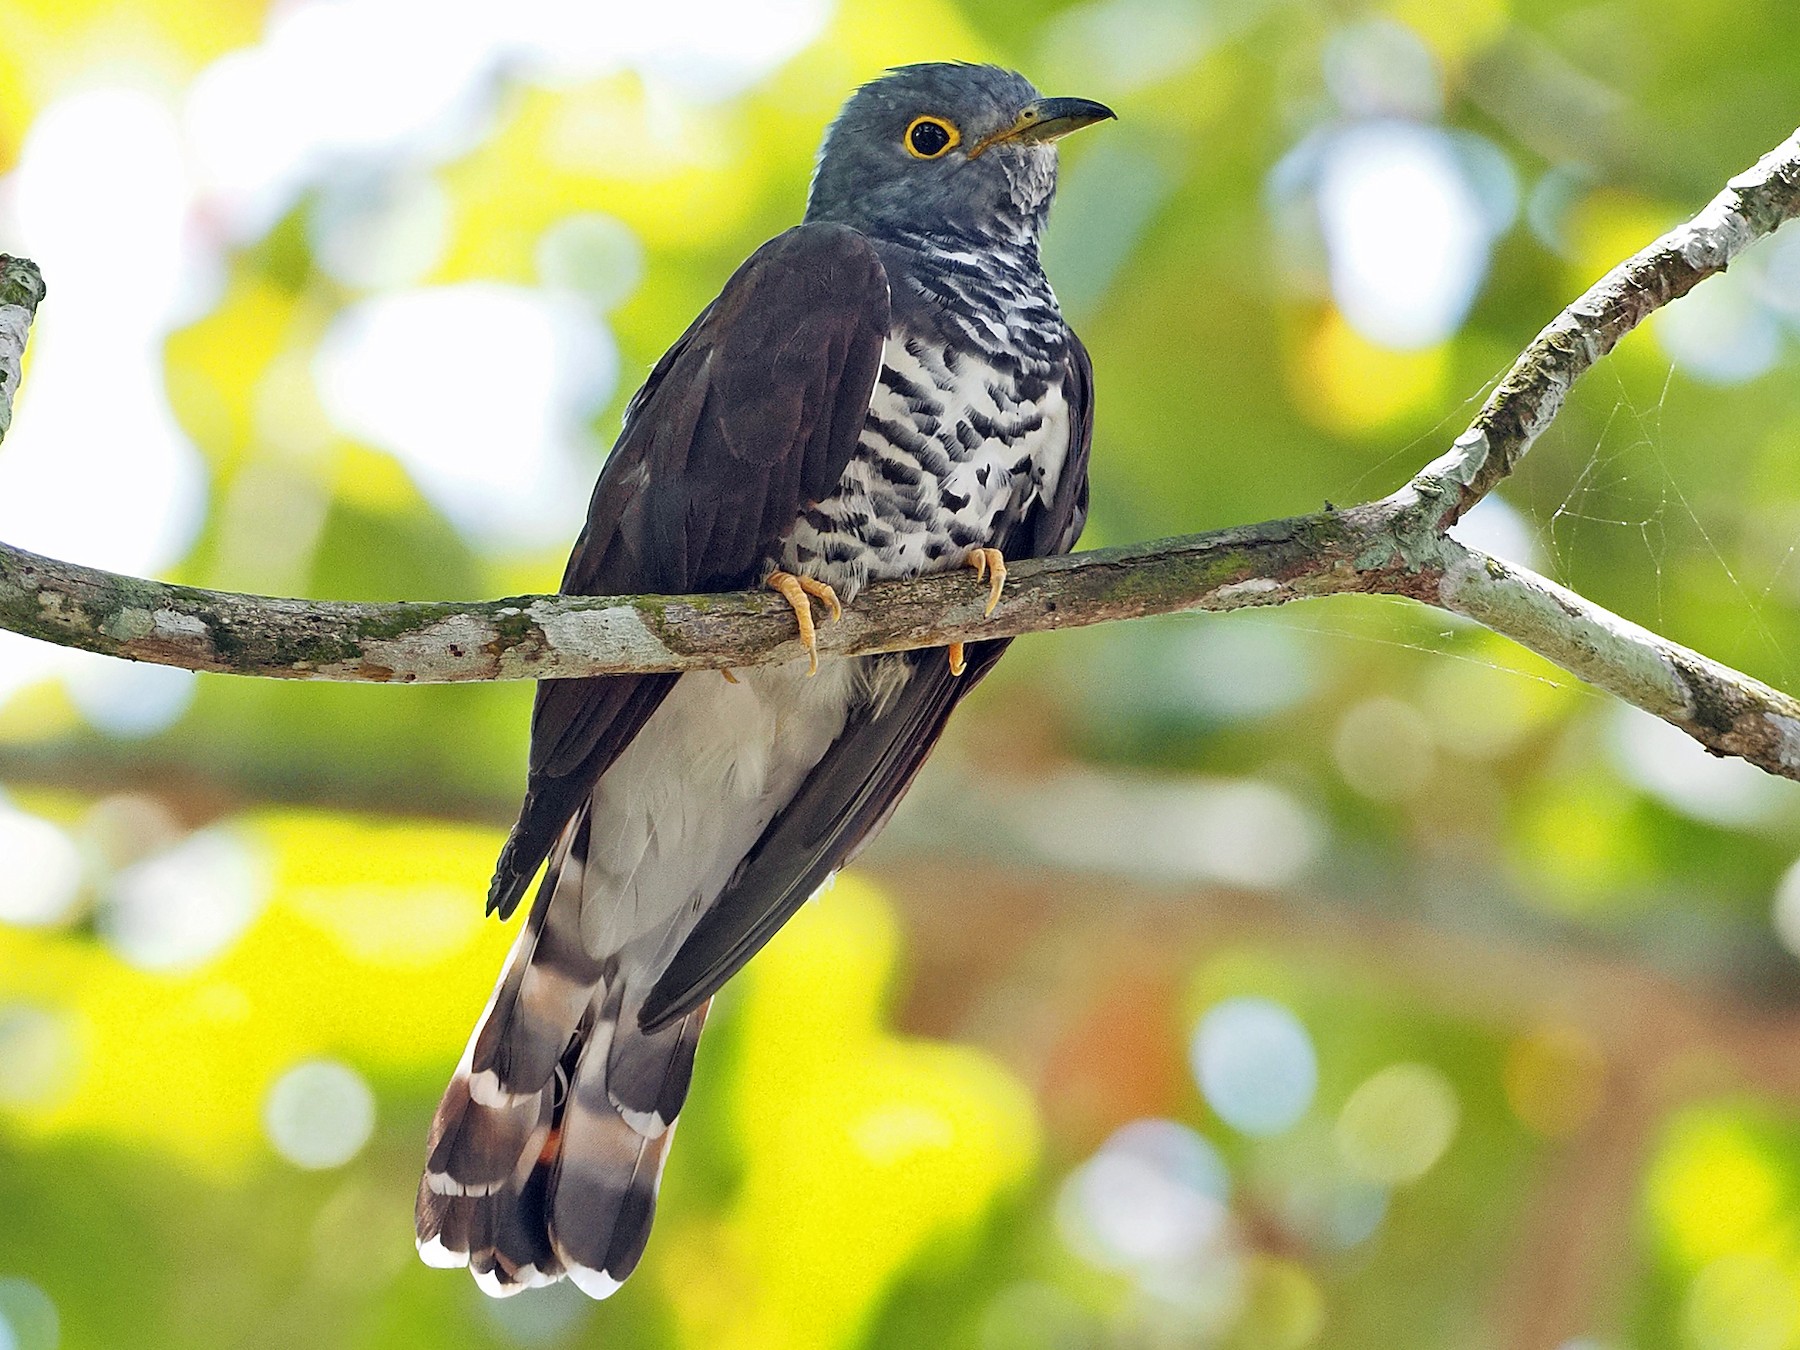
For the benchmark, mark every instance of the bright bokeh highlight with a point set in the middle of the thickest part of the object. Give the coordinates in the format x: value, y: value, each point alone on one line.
x: 346, y: 298
x: 1398, y: 1123
x: 1256, y: 1065
x: 1153, y: 1197
x: 396, y: 372
x: 319, y: 1114
x: 42, y: 879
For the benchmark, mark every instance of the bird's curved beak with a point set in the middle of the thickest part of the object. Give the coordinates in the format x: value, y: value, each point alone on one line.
x: 1047, y: 119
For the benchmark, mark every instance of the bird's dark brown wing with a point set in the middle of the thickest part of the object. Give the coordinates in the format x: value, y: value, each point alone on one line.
x: 856, y: 786
x: 747, y: 420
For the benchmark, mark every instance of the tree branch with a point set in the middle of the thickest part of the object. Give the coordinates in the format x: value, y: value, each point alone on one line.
x: 21, y: 292
x: 1395, y: 546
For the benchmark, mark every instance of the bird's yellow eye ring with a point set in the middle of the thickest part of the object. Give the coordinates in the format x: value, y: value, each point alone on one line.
x: 931, y: 138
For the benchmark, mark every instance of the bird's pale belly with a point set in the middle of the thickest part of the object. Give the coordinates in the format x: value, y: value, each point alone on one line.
x: 949, y: 459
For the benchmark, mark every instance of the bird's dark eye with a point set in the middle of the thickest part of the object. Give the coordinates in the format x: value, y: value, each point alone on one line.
x: 929, y: 137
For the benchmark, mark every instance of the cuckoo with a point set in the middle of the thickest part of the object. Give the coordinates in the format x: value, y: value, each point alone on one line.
x: 884, y: 390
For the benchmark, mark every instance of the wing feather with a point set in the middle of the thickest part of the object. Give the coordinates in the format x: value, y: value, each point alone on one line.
x: 748, y: 419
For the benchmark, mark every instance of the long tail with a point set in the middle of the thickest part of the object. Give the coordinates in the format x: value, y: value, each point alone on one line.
x: 548, y: 1147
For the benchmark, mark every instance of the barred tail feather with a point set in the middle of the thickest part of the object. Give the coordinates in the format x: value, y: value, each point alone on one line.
x: 501, y: 1237
x: 547, y: 1150
x: 612, y: 1151
x: 546, y: 988
x: 481, y: 1201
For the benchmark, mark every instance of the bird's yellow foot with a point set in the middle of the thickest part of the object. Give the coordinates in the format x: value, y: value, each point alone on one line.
x: 989, y: 565
x: 796, y: 591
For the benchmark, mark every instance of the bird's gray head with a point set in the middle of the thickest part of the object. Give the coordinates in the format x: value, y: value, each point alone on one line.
x: 945, y: 149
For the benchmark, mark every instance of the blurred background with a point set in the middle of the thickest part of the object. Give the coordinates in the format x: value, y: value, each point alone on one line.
x: 1334, y: 976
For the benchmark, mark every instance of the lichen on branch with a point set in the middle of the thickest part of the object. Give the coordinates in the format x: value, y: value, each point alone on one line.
x: 21, y: 291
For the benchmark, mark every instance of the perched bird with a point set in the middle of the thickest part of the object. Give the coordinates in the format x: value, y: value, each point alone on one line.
x: 884, y: 390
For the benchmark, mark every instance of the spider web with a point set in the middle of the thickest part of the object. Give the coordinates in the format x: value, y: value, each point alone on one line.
x: 1427, y: 445
x: 1451, y: 642
x: 1615, y: 491
x: 1626, y: 484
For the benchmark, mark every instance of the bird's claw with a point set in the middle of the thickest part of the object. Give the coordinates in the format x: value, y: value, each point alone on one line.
x: 797, y: 591
x: 990, y: 566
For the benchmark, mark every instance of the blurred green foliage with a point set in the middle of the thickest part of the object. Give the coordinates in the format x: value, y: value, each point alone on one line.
x: 1528, y: 942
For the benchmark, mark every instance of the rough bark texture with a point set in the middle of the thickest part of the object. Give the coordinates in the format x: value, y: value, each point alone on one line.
x: 561, y: 636
x: 21, y: 291
x: 1396, y: 546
